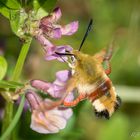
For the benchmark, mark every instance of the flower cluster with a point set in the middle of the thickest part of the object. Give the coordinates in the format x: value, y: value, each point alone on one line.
x: 56, y: 88
x: 49, y: 116
x: 49, y: 28
x: 46, y: 119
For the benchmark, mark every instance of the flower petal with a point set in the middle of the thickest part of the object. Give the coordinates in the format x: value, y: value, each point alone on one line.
x: 56, y: 14
x: 40, y: 124
x: 67, y: 113
x: 70, y: 29
x: 51, y: 55
x: 57, y: 88
x: 63, y: 49
x: 55, y: 33
x: 44, y: 42
x: 56, y: 91
x: 40, y: 85
x: 57, y: 120
x: 50, y: 19
x: 69, y: 97
x: 33, y: 99
x: 50, y: 121
x: 63, y: 75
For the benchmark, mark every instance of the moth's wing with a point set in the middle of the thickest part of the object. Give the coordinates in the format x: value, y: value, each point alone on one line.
x: 100, y: 55
x: 70, y: 86
x: 105, y: 54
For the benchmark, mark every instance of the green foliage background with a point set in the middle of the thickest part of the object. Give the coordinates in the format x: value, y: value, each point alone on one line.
x: 119, y: 18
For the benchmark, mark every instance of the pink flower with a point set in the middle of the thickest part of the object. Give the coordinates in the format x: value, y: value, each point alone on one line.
x: 45, y: 119
x: 51, y: 55
x: 50, y: 49
x: 51, y: 29
x: 48, y: 28
x: 57, y: 88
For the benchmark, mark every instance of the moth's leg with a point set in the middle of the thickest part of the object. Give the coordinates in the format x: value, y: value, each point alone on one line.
x: 108, y: 69
x: 106, y: 59
x: 69, y: 87
x: 104, y: 56
x: 108, y: 54
x: 75, y: 102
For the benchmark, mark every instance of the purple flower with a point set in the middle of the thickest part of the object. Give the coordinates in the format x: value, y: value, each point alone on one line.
x: 51, y: 29
x: 45, y: 119
x: 50, y: 49
x: 57, y: 88
x: 48, y: 28
x: 40, y: 85
x: 51, y: 55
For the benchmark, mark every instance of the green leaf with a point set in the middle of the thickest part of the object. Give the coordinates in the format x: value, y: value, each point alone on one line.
x: 17, y: 19
x: 47, y: 5
x: 14, y: 21
x: 3, y: 67
x: 16, y: 83
x: 11, y: 4
x: 4, y: 10
x: 10, y: 84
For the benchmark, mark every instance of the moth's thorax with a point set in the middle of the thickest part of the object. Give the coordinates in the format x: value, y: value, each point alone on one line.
x: 87, y: 69
x: 89, y: 73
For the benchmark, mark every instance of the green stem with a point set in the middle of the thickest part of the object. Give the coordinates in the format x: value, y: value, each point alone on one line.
x: 16, y: 74
x: 8, y: 115
x: 14, y: 121
x: 21, y: 60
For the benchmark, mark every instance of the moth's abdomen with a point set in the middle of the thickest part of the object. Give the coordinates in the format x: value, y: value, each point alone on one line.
x: 101, y: 90
x: 104, y: 100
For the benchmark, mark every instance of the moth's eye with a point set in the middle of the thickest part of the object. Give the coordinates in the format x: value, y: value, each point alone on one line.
x: 73, y: 59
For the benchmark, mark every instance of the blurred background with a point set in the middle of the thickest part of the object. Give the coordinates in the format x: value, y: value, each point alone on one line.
x: 118, y: 19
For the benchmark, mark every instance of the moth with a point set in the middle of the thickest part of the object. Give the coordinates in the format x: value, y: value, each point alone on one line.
x: 91, y: 80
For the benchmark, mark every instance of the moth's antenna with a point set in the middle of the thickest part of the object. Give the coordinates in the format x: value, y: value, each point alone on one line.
x: 87, y: 31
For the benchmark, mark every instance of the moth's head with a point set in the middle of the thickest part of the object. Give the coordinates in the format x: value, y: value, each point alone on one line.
x: 79, y: 56
x: 76, y: 54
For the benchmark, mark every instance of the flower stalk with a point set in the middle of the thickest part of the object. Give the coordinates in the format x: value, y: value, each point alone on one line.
x: 16, y: 74
x: 15, y: 119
